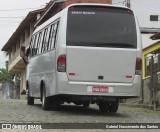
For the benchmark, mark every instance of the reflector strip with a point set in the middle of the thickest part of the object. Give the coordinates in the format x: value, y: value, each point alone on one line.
x: 128, y: 76
x: 72, y: 74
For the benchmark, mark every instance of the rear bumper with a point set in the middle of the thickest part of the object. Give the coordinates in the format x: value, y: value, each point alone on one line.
x: 121, y: 90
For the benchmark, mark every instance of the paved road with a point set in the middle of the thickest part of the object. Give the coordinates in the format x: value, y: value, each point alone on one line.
x: 19, y: 111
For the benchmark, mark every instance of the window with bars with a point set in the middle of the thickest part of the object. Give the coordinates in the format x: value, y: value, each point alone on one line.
x: 153, y: 17
x: 44, y: 40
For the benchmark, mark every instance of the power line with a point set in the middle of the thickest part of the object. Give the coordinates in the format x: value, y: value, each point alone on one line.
x: 10, y: 21
x: 13, y: 24
x: 19, y: 9
x: 13, y: 17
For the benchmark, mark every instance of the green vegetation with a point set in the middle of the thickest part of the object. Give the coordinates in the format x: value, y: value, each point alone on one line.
x: 148, y: 111
x: 140, y: 109
x: 6, y: 76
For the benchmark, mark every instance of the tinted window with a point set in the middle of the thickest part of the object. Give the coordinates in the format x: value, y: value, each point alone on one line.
x: 39, y: 42
x: 44, y: 43
x: 32, y: 46
x: 153, y: 17
x: 44, y: 40
x: 101, y: 27
x: 52, y: 37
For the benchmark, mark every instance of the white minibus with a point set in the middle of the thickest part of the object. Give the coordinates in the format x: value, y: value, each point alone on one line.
x: 86, y: 54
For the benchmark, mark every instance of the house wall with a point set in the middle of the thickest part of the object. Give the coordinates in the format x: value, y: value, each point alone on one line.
x: 146, y: 91
x: 143, y: 10
x: 16, y: 64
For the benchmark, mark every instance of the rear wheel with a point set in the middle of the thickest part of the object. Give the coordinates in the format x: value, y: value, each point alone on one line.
x: 45, y: 100
x: 104, y: 106
x: 113, y: 106
x: 109, y: 106
x: 55, y: 103
x: 30, y: 100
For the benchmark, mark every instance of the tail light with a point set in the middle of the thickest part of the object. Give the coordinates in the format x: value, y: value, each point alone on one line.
x: 138, y: 66
x: 61, y: 63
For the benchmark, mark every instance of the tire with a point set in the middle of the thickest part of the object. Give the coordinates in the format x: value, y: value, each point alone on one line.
x: 104, y: 106
x: 113, y: 106
x: 30, y: 100
x: 45, y: 100
x: 55, y: 105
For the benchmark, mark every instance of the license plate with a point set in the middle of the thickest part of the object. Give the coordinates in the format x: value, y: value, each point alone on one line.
x: 100, y: 89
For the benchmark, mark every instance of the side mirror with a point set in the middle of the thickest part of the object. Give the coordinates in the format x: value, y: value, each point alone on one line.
x: 22, y: 51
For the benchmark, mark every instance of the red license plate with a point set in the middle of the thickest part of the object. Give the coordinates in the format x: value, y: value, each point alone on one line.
x: 100, y: 89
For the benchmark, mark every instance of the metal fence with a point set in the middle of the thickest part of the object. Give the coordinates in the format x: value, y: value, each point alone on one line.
x: 152, y: 70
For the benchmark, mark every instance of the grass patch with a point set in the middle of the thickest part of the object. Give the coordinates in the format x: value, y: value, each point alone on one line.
x: 151, y: 112
x: 139, y: 109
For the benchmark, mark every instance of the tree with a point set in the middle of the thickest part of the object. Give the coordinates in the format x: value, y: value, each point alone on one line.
x: 5, y: 76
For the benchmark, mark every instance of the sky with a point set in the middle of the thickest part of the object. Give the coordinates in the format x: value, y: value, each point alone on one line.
x: 12, y: 13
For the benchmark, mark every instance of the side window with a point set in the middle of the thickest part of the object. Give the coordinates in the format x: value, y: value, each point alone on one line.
x: 34, y: 49
x: 32, y: 45
x: 52, y: 36
x: 39, y: 42
x: 47, y: 38
x: 154, y: 18
x: 44, y: 42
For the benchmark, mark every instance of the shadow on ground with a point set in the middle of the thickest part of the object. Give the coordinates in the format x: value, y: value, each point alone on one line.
x: 79, y: 110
